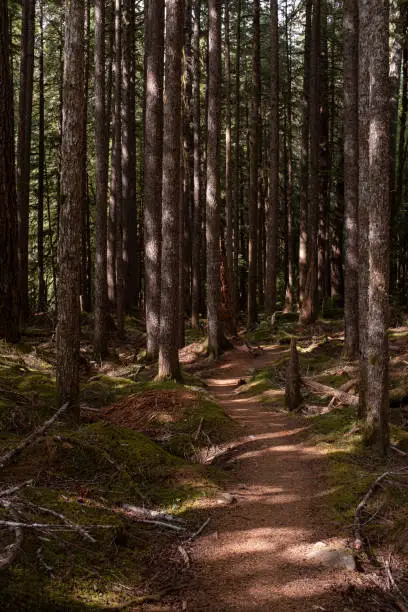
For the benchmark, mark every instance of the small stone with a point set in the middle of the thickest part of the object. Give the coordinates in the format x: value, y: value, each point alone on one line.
x: 226, y: 498
x: 337, y: 558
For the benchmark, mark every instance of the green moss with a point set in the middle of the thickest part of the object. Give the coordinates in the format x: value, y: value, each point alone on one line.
x: 207, y: 418
x: 84, y: 575
x: 263, y: 380
x: 332, y: 426
x: 104, y: 390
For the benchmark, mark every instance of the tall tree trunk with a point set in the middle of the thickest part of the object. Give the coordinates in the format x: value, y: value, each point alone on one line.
x: 376, y: 427
x: 42, y: 290
x: 324, y: 161
x: 213, y: 177
x: 237, y: 162
x: 197, y: 234
x: 128, y: 155
x: 101, y: 180
x: 116, y: 179
x: 168, y: 350
x: 402, y: 152
x: 69, y: 255
x: 9, y: 294
x: 351, y: 167
x: 254, y: 169
x: 364, y: 194
x: 309, y: 309
x: 272, y: 209
x: 228, y: 150
x: 304, y: 162
x: 153, y: 159
x: 290, y: 289
x: 85, y: 268
x: 24, y: 146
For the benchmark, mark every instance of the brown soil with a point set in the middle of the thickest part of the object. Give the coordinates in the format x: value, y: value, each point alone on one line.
x: 252, y: 555
x: 149, y: 411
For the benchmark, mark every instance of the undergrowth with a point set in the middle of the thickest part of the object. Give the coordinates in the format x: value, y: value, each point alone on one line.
x: 87, y: 474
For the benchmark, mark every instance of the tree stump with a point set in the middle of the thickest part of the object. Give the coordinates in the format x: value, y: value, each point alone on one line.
x: 293, y: 397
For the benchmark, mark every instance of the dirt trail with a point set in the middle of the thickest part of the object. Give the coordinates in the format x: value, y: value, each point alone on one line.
x: 253, y: 555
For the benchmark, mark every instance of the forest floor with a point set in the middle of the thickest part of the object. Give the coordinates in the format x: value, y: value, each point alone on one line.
x: 251, y: 495
x: 254, y: 556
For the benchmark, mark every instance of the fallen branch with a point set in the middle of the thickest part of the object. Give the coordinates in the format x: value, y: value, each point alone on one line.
x: 200, y: 530
x: 184, y: 554
x: 163, y: 524
x: 320, y: 389
x: 12, y: 490
x: 396, y: 450
x: 358, y: 539
x: 393, y: 585
x: 42, y: 562
x: 145, y: 513
x: 197, y: 433
x: 12, y: 454
x: 50, y: 526
x: 139, y: 601
x: 65, y: 520
x: 12, y: 550
x: 89, y: 447
x: 14, y: 396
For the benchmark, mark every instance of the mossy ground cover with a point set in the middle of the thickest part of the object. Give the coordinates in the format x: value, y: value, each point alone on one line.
x: 87, y: 474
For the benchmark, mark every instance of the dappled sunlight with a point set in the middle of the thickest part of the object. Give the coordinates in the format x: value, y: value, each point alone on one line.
x: 257, y: 545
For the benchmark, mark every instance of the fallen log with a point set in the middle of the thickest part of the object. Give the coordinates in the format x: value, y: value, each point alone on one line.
x: 320, y: 389
x: 349, y: 385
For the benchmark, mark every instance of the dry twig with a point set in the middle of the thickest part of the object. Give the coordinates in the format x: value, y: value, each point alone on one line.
x: 200, y: 530
x: 184, y: 554
x: 358, y: 540
x: 37, y: 433
x: 12, y: 550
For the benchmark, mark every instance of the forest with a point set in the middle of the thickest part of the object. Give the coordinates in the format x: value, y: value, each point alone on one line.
x: 204, y: 305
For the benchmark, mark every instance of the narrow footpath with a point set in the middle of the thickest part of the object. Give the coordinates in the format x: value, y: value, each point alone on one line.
x: 254, y: 554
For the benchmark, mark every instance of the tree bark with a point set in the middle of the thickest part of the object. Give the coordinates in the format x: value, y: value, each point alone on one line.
x: 153, y: 160
x: 101, y: 179
x: 9, y: 293
x: 69, y: 255
x: 213, y: 177
x: 309, y: 308
x: 228, y: 152
x: 363, y: 195
x: 42, y: 290
x: 237, y: 162
x: 116, y: 178
x: 290, y: 289
x: 169, y: 366
x: 304, y: 162
x: 351, y: 181
x: 197, y: 216
x: 24, y: 146
x: 129, y: 216
x: 323, y: 278
x: 376, y: 427
x: 254, y: 170
x: 272, y: 207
